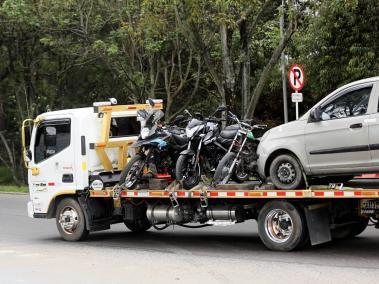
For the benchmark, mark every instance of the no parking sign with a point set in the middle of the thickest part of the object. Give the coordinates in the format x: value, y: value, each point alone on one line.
x: 296, y: 77
x: 296, y: 80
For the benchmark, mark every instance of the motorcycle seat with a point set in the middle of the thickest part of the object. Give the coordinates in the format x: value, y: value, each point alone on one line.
x: 180, y: 140
x: 230, y: 131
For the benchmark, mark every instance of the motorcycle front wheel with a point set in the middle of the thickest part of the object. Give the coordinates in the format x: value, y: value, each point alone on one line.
x: 132, y: 172
x: 222, y: 172
x: 186, y: 172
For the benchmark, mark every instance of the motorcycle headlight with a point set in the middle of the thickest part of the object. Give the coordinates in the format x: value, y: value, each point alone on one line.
x: 145, y: 132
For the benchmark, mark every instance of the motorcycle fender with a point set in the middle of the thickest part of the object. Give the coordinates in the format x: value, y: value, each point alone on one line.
x: 188, y: 152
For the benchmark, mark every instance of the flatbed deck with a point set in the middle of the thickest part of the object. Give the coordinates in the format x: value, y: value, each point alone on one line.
x: 234, y: 191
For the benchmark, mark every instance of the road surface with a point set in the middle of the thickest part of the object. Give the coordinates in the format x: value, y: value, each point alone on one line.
x: 32, y: 252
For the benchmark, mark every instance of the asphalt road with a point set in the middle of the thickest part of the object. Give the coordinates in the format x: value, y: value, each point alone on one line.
x: 32, y: 252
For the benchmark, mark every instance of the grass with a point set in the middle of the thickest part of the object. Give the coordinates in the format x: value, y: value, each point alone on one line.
x: 13, y: 188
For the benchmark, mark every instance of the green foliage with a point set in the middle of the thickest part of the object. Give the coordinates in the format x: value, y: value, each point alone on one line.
x: 65, y: 54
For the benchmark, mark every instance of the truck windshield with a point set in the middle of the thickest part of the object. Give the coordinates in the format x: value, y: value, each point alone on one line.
x: 52, y: 137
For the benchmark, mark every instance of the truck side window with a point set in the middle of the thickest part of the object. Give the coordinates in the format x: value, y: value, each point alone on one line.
x: 52, y: 137
x: 353, y: 103
x: 124, y: 127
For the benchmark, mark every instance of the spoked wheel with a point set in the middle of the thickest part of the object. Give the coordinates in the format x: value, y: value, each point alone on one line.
x: 222, y: 174
x: 133, y: 171
x: 187, y: 172
x: 286, y: 173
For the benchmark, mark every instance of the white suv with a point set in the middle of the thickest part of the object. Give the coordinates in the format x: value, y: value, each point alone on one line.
x: 338, y: 137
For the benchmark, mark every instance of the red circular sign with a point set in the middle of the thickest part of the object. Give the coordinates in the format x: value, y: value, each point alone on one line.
x: 296, y: 77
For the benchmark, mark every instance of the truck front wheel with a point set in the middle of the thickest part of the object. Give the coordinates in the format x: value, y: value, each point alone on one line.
x: 70, y: 220
x: 282, y: 226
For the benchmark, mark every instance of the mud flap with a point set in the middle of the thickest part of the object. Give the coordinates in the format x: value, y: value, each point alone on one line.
x: 318, y: 223
x: 91, y: 224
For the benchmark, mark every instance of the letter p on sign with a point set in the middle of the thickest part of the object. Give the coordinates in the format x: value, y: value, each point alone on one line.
x: 296, y: 77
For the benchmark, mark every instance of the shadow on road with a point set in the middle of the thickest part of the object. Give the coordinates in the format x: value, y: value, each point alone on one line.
x: 215, y: 243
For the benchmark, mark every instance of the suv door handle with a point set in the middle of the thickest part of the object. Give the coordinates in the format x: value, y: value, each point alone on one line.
x: 357, y: 125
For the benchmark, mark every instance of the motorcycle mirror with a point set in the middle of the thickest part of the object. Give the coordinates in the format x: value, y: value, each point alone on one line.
x: 187, y: 112
x: 179, y: 118
x: 151, y: 102
x: 221, y: 108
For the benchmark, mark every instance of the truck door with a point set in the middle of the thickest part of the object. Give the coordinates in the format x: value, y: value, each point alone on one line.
x: 339, y: 143
x: 51, y: 169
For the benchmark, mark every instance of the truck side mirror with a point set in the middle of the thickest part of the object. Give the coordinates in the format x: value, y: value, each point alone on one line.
x: 50, y: 136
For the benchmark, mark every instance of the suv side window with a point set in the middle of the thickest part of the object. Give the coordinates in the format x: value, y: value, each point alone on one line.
x: 52, y: 137
x: 353, y: 103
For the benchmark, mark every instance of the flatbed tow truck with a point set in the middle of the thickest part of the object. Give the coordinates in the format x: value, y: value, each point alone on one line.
x: 74, y: 161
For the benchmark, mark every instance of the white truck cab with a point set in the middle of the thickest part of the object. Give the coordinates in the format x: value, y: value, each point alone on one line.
x: 74, y: 149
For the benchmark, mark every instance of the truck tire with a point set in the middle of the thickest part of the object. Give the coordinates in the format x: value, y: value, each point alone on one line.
x: 70, y: 220
x: 182, y: 172
x: 286, y: 172
x: 351, y: 230
x: 282, y: 226
x: 138, y: 226
x: 359, y: 227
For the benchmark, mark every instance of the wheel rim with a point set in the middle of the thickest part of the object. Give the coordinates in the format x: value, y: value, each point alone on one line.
x: 286, y: 173
x: 69, y: 220
x: 278, y: 226
x: 133, y: 174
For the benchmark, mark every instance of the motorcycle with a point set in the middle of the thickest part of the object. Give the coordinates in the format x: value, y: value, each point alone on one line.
x: 206, y: 146
x: 240, y: 162
x: 157, y: 147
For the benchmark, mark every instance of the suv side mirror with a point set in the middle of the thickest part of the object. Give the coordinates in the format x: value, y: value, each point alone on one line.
x: 316, y: 113
x: 50, y: 136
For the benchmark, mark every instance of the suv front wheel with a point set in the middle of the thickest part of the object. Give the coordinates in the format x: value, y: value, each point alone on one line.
x: 286, y: 173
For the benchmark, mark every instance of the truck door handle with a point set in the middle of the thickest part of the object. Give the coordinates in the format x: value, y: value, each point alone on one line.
x: 356, y: 125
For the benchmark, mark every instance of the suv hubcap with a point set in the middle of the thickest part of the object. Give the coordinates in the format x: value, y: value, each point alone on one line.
x: 286, y: 173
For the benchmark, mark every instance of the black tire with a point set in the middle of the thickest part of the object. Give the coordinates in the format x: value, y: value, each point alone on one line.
x: 286, y: 172
x: 223, y: 168
x: 131, y: 166
x: 138, y: 226
x: 181, y: 171
x: 351, y: 230
x: 69, y: 210
x: 270, y: 231
x: 359, y: 227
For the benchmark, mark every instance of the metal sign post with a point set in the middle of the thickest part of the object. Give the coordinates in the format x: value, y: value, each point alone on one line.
x: 296, y: 81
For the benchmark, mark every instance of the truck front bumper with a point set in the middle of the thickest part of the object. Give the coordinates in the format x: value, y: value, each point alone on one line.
x: 30, y: 209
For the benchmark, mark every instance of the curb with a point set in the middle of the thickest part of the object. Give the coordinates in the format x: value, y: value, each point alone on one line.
x: 14, y: 193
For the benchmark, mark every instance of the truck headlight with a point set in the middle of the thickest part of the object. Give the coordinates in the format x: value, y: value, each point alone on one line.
x: 97, y: 185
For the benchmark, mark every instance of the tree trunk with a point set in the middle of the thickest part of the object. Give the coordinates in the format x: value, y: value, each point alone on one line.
x: 229, y: 79
x: 267, y: 72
